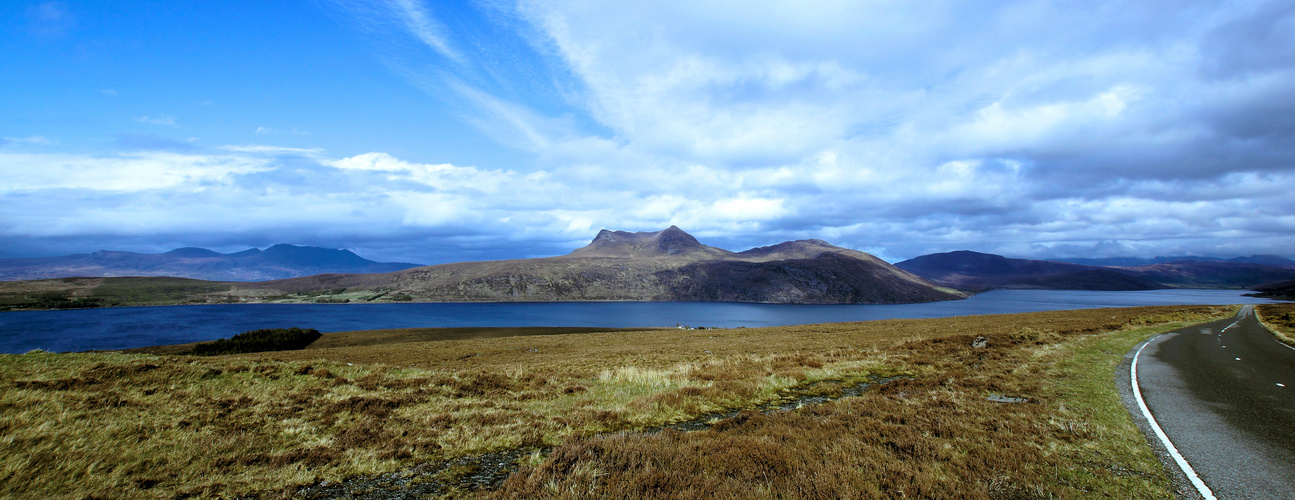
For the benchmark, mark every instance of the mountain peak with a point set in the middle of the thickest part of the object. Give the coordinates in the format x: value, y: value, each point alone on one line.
x: 192, y: 253
x: 673, y: 241
x: 669, y: 241
x: 798, y: 249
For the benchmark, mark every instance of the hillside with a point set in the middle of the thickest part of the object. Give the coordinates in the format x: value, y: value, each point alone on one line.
x: 1284, y: 290
x: 277, y: 262
x: 974, y: 271
x: 667, y: 265
x: 1213, y: 274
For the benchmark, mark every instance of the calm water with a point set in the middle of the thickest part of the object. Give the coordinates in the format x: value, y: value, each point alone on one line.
x: 126, y: 327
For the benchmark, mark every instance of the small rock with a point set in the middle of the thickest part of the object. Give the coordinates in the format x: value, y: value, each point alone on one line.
x: 979, y: 342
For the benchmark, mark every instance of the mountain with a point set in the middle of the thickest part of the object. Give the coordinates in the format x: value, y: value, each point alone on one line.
x: 1213, y: 274
x: 667, y: 265
x: 975, y: 271
x: 277, y: 262
x: 1267, y: 260
x: 1284, y: 290
x: 671, y: 242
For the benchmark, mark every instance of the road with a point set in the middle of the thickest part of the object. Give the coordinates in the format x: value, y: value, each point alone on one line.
x: 1224, y: 395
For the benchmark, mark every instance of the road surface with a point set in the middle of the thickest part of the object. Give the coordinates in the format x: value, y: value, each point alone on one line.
x: 1223, y: 393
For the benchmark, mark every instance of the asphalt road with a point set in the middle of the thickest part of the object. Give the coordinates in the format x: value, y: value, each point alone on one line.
x: 1224, y: 395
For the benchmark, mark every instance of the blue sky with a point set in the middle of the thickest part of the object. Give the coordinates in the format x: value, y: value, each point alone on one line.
x: 434, y: 131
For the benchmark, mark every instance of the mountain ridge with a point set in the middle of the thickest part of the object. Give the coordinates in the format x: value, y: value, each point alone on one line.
x: 666, y: 265
x: 279, y: 261
x: 1263, y: 259
x: 975, y: 271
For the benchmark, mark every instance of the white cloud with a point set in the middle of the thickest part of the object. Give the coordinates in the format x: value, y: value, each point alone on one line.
x: 273, y: 131
x: 748, y: 209
x: 254, y: 190
x: 121, y: 173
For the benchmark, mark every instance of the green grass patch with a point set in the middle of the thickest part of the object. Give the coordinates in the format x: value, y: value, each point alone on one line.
x: 149, y: 290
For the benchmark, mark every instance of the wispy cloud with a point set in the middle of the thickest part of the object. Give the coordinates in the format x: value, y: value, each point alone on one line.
x: 158, y: 120
x: 33, y: 140
x: 420, y: 24
x: 50, y: 19
x: 263, y: 148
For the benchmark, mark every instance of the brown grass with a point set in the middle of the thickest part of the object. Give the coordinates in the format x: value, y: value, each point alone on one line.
x: 129, y: 425
x: 934, y: 436
x: 1280, y: 319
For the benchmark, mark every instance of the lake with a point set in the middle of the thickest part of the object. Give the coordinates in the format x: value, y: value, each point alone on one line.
x: 127, y: 327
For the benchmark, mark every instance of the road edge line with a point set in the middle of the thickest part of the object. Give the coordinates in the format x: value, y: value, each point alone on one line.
x: 1160, y: 433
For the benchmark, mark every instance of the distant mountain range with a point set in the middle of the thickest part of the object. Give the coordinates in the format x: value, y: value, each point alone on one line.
x: 1267, y: 260
x: 667, y: 265
x: 277, y: 262
x: 974, y: 271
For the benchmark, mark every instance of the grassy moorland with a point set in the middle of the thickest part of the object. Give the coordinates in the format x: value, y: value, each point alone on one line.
x: 67, y: 293
x: 1280, y: 319
x: 162, y: 426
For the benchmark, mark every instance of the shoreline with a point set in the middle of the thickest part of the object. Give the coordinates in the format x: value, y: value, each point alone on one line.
x: 357, y: 338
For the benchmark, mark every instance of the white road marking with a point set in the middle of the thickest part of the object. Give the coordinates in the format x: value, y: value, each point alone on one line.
x: 1160, y: 433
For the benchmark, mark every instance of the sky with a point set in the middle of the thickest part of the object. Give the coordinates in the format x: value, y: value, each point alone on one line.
x: 431, y: 132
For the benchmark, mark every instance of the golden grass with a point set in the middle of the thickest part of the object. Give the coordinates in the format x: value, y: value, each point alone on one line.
x: 133, y: 425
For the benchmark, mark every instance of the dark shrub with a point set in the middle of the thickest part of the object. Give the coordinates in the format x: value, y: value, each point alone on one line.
x: 270, y: 339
